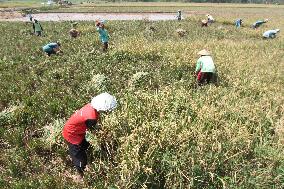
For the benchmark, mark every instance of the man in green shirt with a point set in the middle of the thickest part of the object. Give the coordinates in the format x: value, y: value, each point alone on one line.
x: 37, y: 28
x: 104, y: 37
x: 205, y: 68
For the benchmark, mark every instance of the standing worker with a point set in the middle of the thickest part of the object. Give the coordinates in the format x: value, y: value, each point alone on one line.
x: 104, y: 37
x: 37, y: 28
x: 30, y: 17
x: 86, y: 118
x: 259, y: 23
x: 205, y: 68
x: 238, y: 23
x: 270, y: 34
x: 51, y: 48
x: 179, y: 15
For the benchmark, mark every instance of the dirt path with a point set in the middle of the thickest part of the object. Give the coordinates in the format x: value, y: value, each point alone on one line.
x: 90, y: 16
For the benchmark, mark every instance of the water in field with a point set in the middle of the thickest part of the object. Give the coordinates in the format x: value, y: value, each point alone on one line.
x: 95, y: 16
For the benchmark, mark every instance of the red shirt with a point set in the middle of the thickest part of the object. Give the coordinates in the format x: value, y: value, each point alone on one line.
x: 75, y: 128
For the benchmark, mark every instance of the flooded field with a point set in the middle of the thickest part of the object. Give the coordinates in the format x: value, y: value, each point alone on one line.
x: 92, y: 16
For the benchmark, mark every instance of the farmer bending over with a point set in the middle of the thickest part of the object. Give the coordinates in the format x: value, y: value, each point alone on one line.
x: 238, y: 23
x: 74, y: 32
x: 259, y: 23
x: 104, y: 37
x: 270, y: 34
x: 210, y: 18
x: 37, y: 28
x: 205, y: 68
x: 204, y: 23
x: 52, y: 48
x: 86, y: 118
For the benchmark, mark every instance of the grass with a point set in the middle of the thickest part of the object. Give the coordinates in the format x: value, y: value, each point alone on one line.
x: 165, y: 133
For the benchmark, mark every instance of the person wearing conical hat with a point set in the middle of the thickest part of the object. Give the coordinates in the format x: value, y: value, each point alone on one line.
x: 84, y: 119
x: 74, y: 32
x: 270, y: 34
x: 205, y: 68
x: 204, y: 23
x: 259, y: 23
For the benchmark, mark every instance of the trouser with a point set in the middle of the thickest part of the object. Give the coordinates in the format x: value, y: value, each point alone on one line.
x: 38, y: 33
x: 79, y: 155
x: 204, y: 78
x: 105, y: 46
x: 50, y: 52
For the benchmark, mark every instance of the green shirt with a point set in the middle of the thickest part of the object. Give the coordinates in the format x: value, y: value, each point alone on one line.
x: 103, y: 35
x: 37, y: 27
x: 205, y: 64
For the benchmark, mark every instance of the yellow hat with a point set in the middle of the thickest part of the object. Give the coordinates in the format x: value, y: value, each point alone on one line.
x: 203, y: 53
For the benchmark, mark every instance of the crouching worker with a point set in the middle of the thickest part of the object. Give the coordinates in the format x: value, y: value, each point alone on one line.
x: 205, y: 68
x: 74, y: 32
x: 270, y: 34
x: 74, y: 130
x: 210, y: 18
x: 52, y: 48
x: 238, y: 23
x: 204, y: 23
x: 259, y: 23
x: 104, y: 37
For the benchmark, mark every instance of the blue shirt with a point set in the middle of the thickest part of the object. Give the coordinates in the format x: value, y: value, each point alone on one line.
x: 49, y: 47
x: 103, y: 35
x: 238, y: 23
x: 258, y: 23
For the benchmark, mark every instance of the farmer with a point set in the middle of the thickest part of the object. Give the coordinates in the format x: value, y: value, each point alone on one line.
x: 75, y: 128
x: 259, y: 23
x: 205, y: 68
x: 270, y: 34
x: 238, y: 23
x: 204, y: 23
x: 30, y: 17
x: 52, y: 48
x: 37, y: 28
x: 104, y: 37
x: 74, y: 32
x: 210, y: 18
x: 179, y: 15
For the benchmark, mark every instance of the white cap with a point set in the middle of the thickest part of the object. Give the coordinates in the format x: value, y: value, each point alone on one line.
x: 278, y: 30
x: 104, y: 102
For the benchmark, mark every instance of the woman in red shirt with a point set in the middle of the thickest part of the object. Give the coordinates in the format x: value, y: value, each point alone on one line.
x: 74, y: 130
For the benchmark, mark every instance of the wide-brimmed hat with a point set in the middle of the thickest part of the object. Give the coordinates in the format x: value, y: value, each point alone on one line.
x: 204, y: 52
x: 104, y: 102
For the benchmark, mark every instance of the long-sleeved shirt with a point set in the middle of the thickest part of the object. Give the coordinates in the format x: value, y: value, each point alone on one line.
x: 103, y: 35
x: 37, y: 27
x: 269, y: 34
x: 49, y: 47
x: 258, y: 23
x: 205, y: 64
x: 238, y: 23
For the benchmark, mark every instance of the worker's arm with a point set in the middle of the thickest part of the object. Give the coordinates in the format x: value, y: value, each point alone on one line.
x: 92, y: 125
x: 41, y: 27
x: 34, y: 27
x: 198, y: 66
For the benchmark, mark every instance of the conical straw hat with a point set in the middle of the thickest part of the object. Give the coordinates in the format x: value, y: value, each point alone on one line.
x: 203, y: 53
